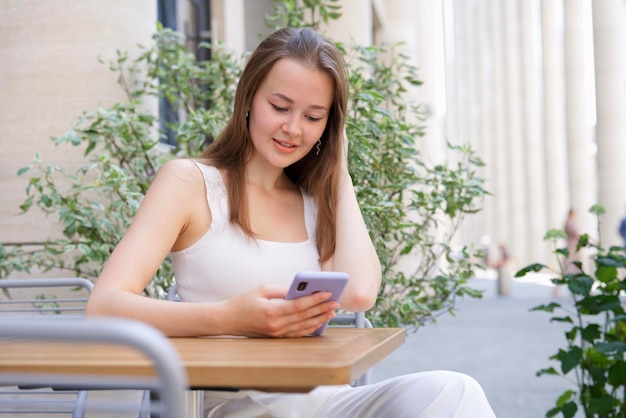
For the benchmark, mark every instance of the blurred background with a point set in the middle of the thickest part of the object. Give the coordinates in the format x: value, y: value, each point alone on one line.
x: 537, y: 87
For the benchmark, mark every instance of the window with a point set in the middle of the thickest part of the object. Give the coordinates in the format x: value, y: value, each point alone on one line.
x: 193, y: 17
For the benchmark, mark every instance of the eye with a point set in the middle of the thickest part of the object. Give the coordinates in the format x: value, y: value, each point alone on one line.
x: 278, y: 108
x: 313, y: 118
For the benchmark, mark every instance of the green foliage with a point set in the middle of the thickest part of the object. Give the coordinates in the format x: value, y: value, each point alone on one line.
x: 406, y: 202
x: 294, y: 13
x: 412, y: 209
x: 96, y: 204
x: 596, y: 342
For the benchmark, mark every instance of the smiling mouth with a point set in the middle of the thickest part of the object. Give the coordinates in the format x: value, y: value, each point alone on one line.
x: 284, y: 144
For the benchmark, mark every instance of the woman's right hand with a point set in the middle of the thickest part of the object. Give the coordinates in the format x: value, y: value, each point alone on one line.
x: 263, y: 312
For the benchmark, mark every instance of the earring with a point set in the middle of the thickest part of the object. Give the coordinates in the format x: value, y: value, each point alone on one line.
x: 247, y: 114
x: 317, y: 146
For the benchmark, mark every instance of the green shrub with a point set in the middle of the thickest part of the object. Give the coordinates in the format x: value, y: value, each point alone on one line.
x: 593, y: 355
x: 412, y: 209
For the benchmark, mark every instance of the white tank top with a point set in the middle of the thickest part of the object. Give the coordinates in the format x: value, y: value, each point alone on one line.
x: 225, y: 262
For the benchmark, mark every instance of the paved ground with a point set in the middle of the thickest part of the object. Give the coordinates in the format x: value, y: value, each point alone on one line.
x: 498, y: 341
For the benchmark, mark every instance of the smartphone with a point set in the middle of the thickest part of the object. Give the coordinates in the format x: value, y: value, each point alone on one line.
x: 308, y: 282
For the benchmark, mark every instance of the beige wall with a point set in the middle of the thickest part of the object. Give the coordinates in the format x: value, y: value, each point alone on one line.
x: 50, y: 74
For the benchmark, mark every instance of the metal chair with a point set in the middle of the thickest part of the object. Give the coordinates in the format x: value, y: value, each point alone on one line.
x: 30, y: 298
x: 25, y: 298
x: 49, y: 299
x: 169, y: 384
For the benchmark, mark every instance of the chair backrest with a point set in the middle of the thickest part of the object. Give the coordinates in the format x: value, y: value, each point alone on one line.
x: 44, y: 297
x: 351, y: 319
x: 169, y: 384
x: 47, y: 299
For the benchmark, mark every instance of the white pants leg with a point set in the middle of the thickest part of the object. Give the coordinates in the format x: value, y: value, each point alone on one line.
x: 434, y: 394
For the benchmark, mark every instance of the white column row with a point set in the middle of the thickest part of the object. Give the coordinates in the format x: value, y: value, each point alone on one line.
x: 520, y: 89
x: 578, y: 107
x: 609, y: 33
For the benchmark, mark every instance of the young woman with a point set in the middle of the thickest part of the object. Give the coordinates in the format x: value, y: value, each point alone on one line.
x: 270, y: 197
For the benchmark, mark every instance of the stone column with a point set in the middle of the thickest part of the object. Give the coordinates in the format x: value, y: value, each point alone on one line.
x: 501, y: 190
x: 609, y: 34
x: 430, y: 63
x: 468, y: 106
x: 50, y: 74
x: 554, y: 118
x: 452, y: 128
x: 400, y: 27
x: 554, y: 121
x: 476, y: 225
x: 516, y: 170
x: 423, y: 43
x: 486, y: 124
x: 228, y: 24
x: 579, y: 106
x: 533, y: 139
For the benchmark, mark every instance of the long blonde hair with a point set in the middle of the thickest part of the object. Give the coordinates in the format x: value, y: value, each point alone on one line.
x: 317, y: 174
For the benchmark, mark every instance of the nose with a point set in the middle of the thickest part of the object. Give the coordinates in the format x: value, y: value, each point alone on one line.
x: 292, y: 125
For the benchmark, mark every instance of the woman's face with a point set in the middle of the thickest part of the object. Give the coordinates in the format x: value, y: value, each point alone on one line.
x: 289, y: 112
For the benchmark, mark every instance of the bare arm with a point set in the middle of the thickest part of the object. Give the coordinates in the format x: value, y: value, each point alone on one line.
x: 169, y: 217
x: 354, y: 251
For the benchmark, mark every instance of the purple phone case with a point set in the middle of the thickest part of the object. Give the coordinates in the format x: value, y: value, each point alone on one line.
x: 309, y: 282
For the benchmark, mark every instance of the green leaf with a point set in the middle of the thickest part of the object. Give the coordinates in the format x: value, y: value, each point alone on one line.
x: 549, y: 371
x: 593, y: 305
x: 555, y: 234
x: 73, y: 137
x: 601, y: 405
x: 617, y: 374
x: 533, y: 268
x: 90, y: 148
x: 26, y: 205
x: 580, y: 284
x: 609, y: 261
x: 597, y: 209
x: 546, y: 308
x: 569, y: 409
x: 605, y: 273
x: 566, y: 319
x: 569, y: 359
x: 23, y: 170
x: 564, y: 405
x: 565, y: 397
x: 591, y: 333
x: 611, y: 348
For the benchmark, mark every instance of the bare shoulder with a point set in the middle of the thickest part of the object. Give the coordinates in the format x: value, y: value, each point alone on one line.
x: 181, y: 192
x: 180, y: 174
x: 181, y: 168
x: 177, y: 180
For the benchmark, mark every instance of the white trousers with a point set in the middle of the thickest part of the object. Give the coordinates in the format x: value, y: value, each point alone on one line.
x: 433, y: 394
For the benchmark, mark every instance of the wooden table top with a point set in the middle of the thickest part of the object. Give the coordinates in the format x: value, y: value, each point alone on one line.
x: 339, y: 356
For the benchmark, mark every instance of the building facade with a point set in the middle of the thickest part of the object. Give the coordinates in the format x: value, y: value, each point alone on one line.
x: 537, y: 87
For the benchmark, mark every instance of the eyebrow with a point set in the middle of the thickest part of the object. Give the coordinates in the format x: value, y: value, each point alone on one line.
x: 288, y: 99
